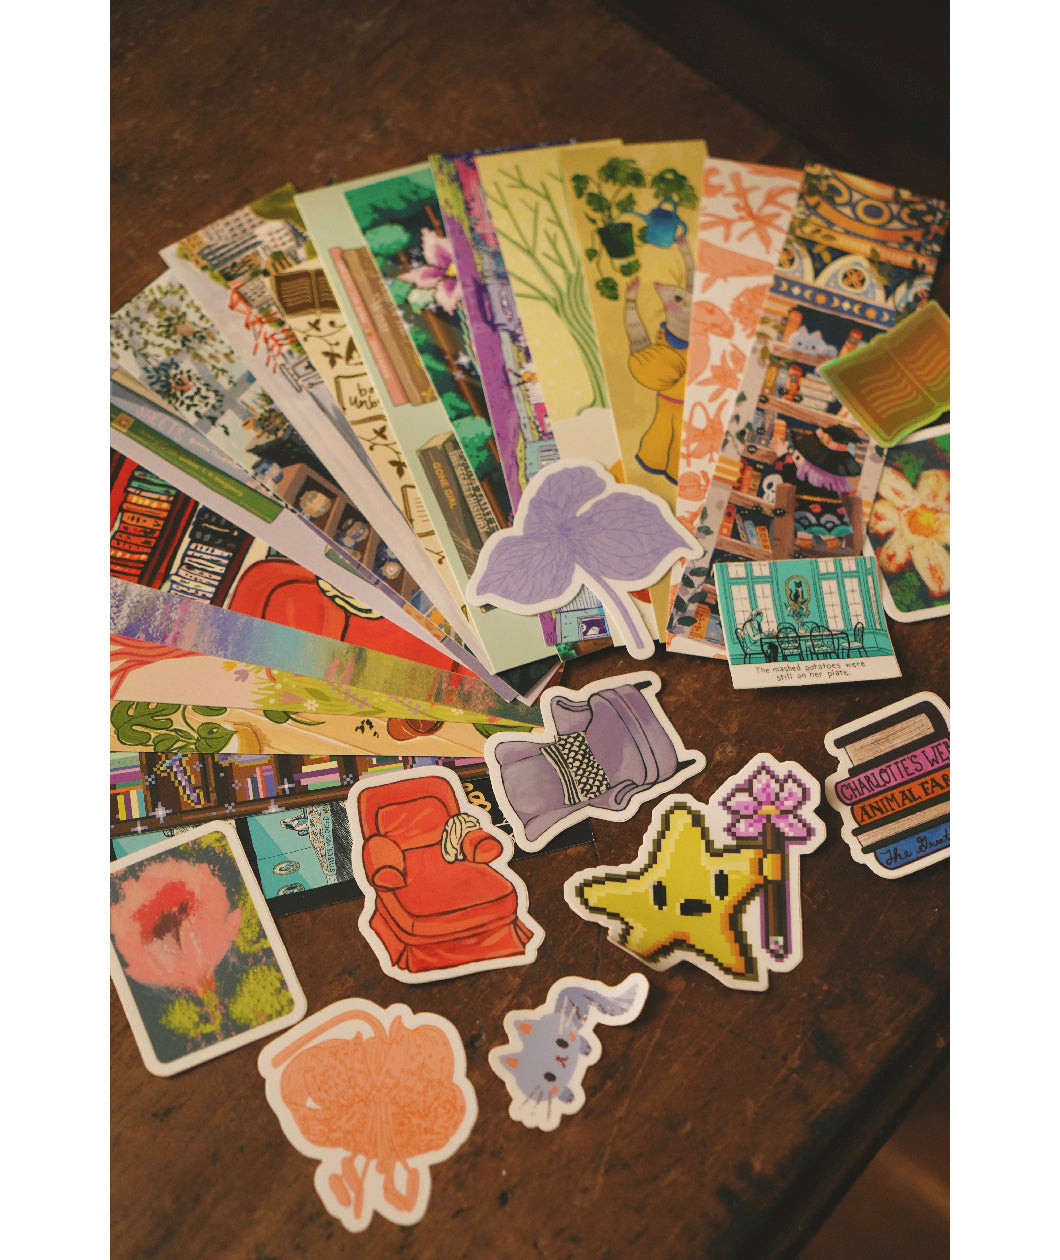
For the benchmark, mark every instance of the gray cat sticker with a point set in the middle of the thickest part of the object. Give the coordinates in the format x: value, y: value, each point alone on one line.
x: 550, y: 1047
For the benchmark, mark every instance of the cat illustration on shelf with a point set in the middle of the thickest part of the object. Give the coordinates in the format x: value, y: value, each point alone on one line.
x: 550, y: 1047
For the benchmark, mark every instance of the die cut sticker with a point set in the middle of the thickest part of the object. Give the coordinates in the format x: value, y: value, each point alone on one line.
x: 605, y: 750
x: 195, y: 956
x: 439, y: 897
x: 377, y: 1096
x: 550, y: 1047
x: 716, y: 885
x: 892, y: 788
x: 577, y: 526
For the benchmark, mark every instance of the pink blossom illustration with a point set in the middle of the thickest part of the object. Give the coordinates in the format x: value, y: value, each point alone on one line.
x: 767, y: 797
x: 436, y: 281
x: 916, y: 521
x: 173, y: 925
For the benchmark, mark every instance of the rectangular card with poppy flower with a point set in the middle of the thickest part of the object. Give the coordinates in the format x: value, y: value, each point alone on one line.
x: 908, y: 485
x: 195, y: 955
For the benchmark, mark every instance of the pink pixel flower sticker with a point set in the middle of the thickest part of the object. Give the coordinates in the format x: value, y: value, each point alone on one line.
x: 768, y: 796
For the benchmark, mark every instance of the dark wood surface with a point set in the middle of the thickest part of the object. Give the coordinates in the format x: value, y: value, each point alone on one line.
x: 720, y: 1122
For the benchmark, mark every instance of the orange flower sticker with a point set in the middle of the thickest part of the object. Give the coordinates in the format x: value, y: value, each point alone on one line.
x: 377, y: 1096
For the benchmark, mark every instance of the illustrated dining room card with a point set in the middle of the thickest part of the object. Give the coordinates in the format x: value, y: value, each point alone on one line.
x: 791, y: 623
x: 195, y: 956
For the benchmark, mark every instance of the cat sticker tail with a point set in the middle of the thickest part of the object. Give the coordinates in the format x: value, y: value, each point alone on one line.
x: 550, y: 1047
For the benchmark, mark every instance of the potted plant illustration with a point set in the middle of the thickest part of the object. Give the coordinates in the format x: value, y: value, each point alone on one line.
x: 605, y: 199
x: 663, y: 225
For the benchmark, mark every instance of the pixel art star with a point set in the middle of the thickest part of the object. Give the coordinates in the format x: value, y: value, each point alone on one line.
x: 690, y: 896
x: 731, y: 906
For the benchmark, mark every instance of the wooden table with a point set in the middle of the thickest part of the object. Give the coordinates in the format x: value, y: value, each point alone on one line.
x: 720, y: 1123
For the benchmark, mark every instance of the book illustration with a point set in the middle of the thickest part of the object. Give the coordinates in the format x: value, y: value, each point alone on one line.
x: 467, y: 511
x: 402, y: 225
x: 900, y: 381
x: 892, y: 788
x: 507, y: 641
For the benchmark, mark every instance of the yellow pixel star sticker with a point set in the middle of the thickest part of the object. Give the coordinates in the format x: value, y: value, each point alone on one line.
x: 730, y: 907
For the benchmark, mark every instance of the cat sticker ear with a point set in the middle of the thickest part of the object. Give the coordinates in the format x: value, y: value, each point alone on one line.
x: 550, y: 1047
x: 716, y: 885
x: 320, y: 1078
x: 892, y: 788
x: 605, y: 750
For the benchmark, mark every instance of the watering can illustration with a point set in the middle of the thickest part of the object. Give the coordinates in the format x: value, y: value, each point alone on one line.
x: 663, y: 225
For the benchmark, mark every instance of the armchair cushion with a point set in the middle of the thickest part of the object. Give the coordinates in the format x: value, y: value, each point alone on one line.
x: 480, y: 846
x: 384, y: 863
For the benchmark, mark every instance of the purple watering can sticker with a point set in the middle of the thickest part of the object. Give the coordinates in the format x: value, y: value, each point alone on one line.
x: 576, y: 527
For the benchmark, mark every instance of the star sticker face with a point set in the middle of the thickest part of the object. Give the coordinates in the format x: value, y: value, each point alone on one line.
x: 687, y: 898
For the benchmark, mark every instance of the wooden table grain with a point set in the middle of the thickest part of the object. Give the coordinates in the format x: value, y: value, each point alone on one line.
x: 720, y: 1123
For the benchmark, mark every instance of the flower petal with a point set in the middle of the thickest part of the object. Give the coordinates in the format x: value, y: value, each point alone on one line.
x: 933, y: 488
x: 436, y: 249
x: 532, y: 572
x: 932, y: 561
x: 556, y: 496
x: 627, y: 537
x: 885, y: 517
x: 422, y: 277
x: 449, y: 295
x: 894, y: 554
x: 894, y: 486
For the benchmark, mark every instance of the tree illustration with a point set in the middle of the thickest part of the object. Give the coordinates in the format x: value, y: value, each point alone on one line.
x: 541, y: 237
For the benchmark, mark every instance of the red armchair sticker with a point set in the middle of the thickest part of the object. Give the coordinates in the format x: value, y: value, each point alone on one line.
x: 716, y: 885
x: 439, y: 898
x: 605, y: 750
x: 892, y: 787
x: 377, y: 1096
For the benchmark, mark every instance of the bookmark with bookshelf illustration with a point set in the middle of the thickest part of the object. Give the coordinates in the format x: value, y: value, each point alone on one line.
x: 860, y: 256
x: 225, y: 266
x: 456, y: 502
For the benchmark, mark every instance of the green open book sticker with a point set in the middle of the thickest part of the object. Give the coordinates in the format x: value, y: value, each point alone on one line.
x: 900, y: 380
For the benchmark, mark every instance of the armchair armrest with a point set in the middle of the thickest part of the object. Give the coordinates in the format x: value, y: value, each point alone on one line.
x: 479, y: 846
x: 384, y: 862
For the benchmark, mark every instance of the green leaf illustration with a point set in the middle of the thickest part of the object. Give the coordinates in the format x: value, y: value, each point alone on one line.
x: 260, y: 996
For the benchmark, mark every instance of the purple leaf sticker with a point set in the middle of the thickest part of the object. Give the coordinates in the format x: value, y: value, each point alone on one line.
x: 575, y: 526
